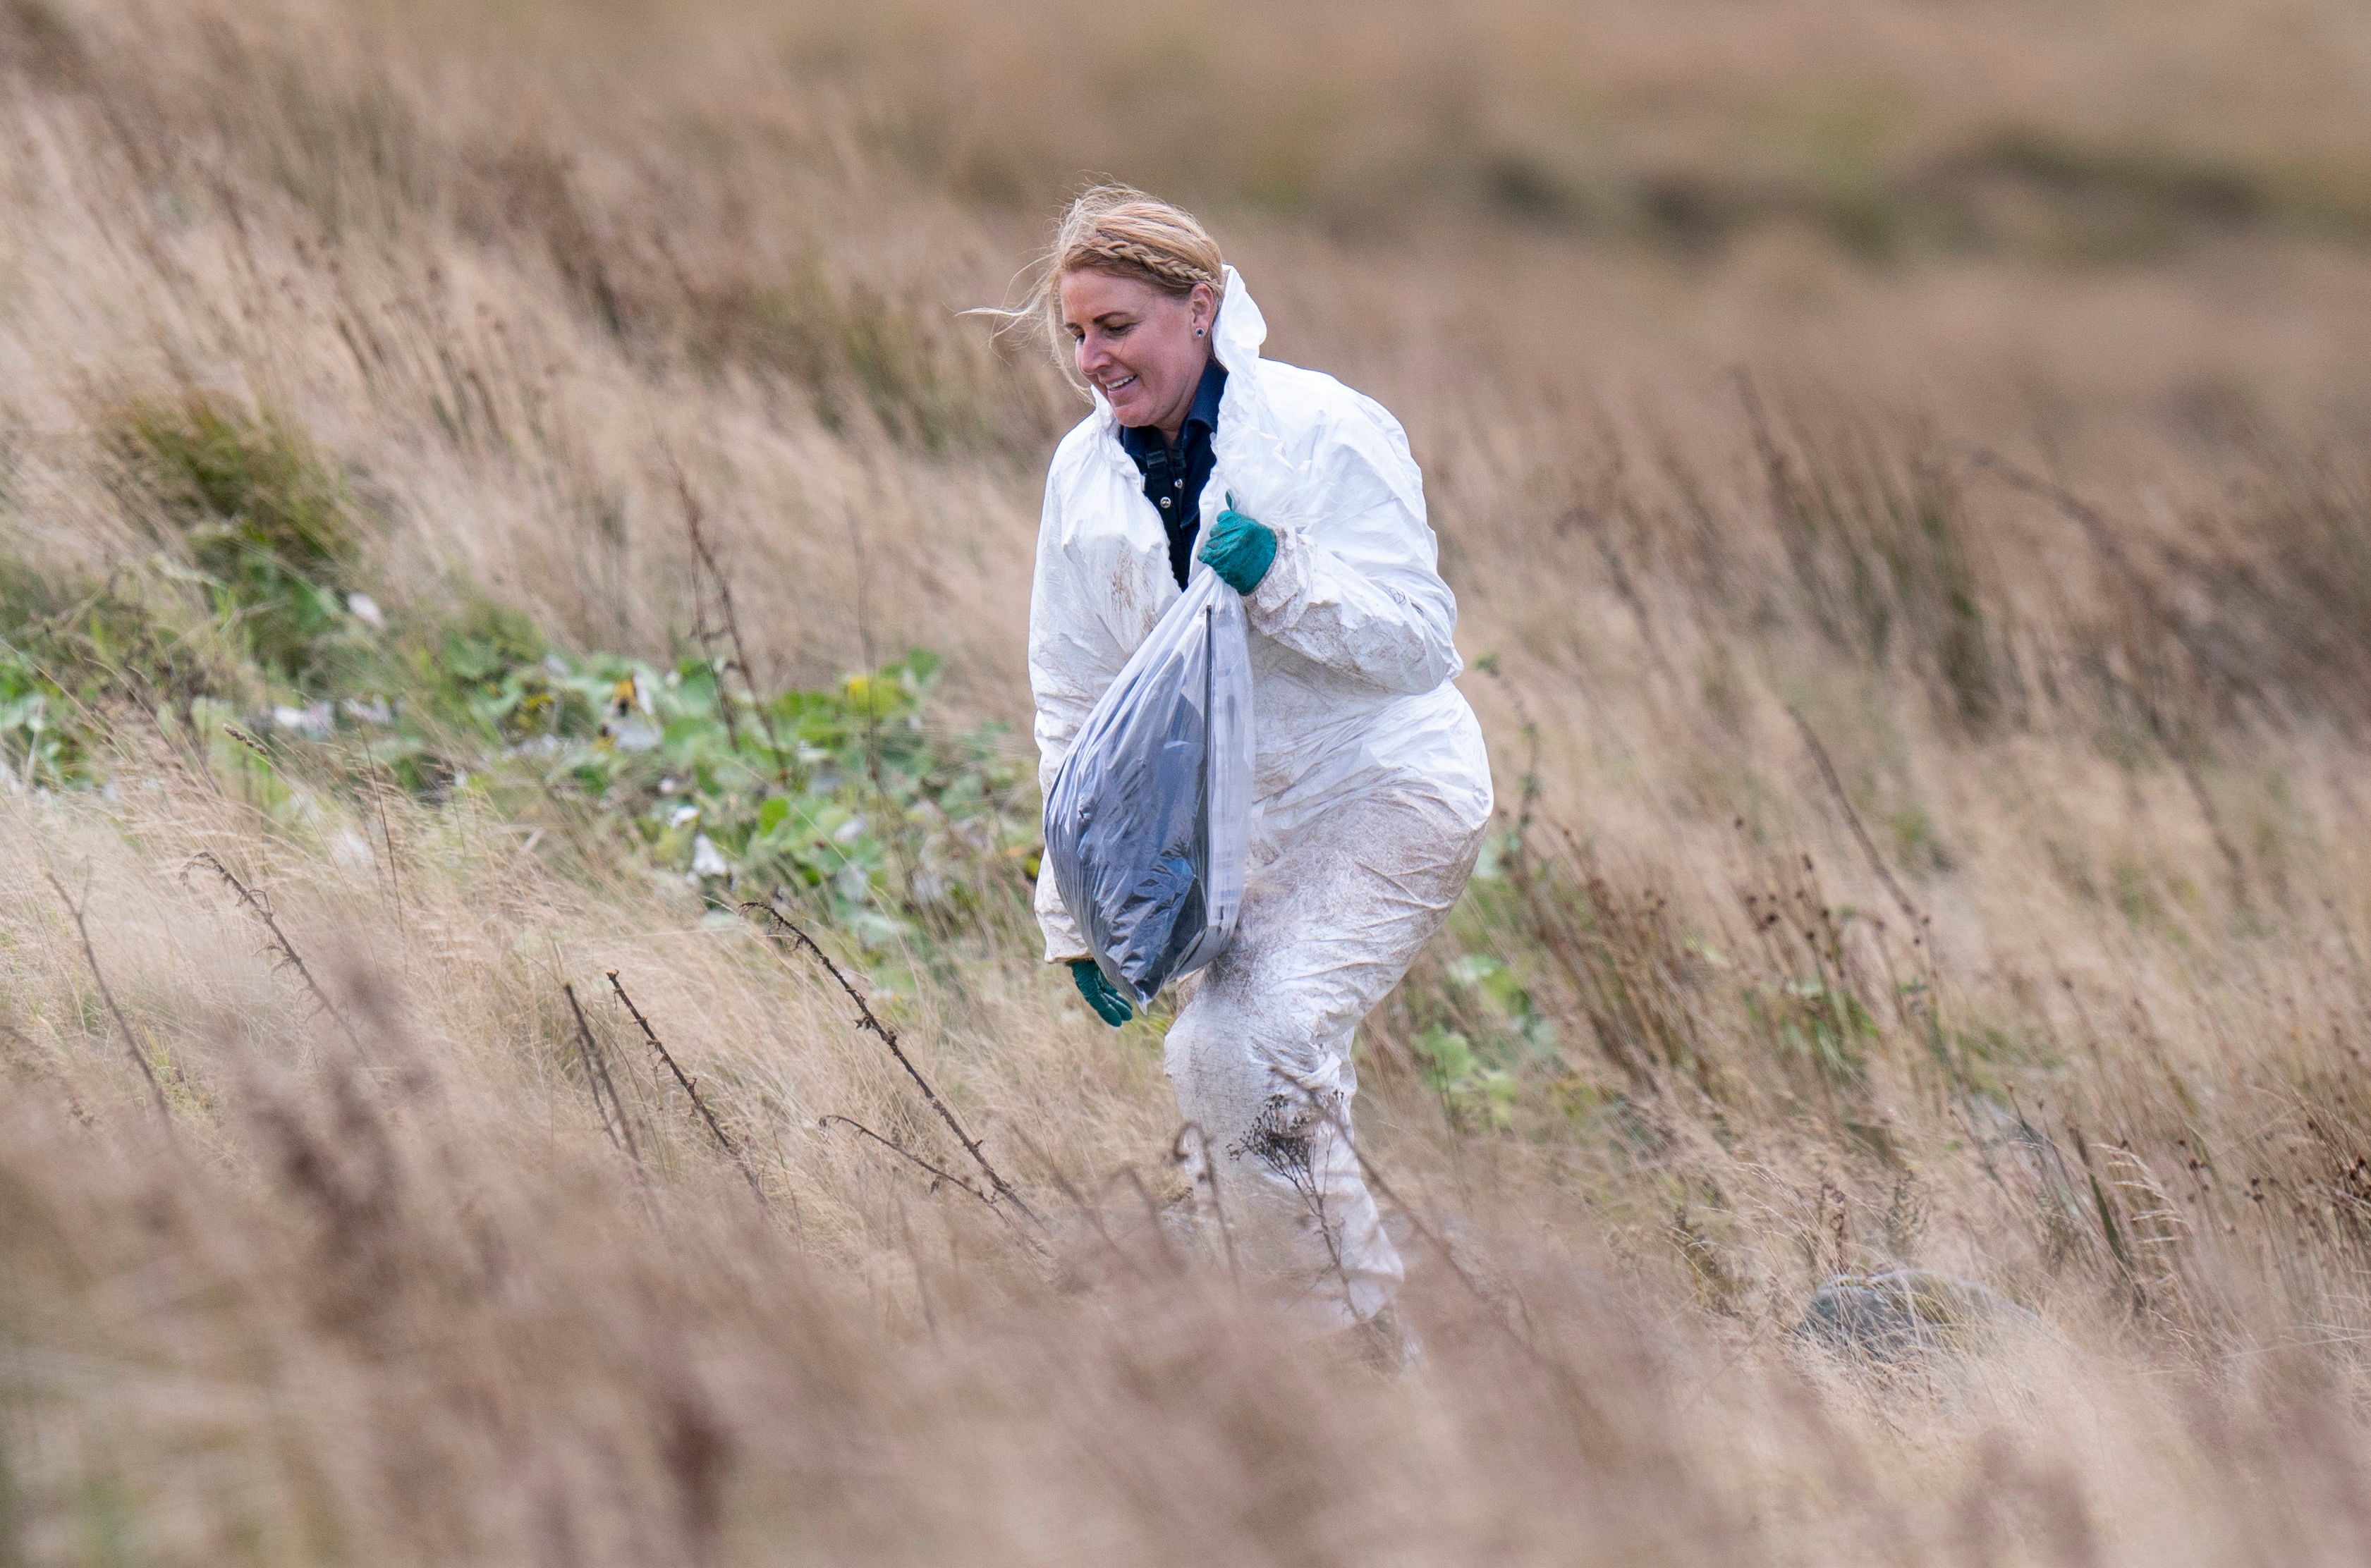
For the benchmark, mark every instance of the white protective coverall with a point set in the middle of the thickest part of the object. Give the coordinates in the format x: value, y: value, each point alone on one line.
x: 1371, y: 783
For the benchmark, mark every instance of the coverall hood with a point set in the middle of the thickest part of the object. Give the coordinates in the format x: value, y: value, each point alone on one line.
x: 1240, y: 330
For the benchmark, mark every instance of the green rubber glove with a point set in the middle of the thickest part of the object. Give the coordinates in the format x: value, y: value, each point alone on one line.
x: 1109, y: 1005
x: 1240, y: 550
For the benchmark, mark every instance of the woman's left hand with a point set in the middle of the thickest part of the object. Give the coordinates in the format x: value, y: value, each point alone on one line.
x: 1240, y: 550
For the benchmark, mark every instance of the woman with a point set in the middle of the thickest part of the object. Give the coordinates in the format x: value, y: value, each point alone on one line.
x: 1371, y: 782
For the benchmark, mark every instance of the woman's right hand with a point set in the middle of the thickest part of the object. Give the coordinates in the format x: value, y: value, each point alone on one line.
x: 1109, y: 1005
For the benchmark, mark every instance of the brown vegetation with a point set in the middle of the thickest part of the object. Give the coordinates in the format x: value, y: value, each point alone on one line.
x: 1902, y: 470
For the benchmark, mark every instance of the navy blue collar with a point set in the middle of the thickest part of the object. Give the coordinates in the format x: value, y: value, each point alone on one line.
x: 1142, y: 440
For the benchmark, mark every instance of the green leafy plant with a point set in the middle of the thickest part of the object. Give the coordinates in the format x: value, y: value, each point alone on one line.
x: 1472, y: 1092
x: 249, y: 635
x: 845, y: 798
x: 1822, y: 1025
x: 36, y: 749
x: 260, y: 516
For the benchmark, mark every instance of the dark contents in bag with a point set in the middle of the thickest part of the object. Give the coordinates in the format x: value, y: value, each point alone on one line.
x: 1140, y: 847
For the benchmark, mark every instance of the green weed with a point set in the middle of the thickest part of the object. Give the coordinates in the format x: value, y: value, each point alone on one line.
x: 260, y: 516
x: 247, y: 640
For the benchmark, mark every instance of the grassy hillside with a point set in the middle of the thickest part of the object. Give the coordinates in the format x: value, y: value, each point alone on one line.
x: 483, y: 500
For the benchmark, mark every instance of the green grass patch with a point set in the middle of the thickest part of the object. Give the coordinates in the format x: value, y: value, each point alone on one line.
x: 249, y: 641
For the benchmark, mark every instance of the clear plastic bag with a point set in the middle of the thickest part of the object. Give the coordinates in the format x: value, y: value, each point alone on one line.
x: 1146, y: 824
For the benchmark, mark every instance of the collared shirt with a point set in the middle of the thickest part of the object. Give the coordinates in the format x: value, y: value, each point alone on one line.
x: 1174, y: 476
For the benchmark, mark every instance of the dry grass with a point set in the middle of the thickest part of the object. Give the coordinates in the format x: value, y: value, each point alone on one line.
x: 1929, y: 698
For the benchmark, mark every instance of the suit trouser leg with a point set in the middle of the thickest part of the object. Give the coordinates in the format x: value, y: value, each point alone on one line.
x: 1260, y: 1053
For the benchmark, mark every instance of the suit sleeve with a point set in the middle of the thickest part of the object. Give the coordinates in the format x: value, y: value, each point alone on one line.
x: 1356, y: 584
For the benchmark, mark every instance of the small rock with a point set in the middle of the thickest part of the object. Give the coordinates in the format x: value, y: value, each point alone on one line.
x: 1907, y: 1312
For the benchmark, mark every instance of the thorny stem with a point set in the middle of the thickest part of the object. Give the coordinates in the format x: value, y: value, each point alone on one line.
x: 887, y: 1036
x: 688, y: 1088
x: 131, y: 1041
x: 596, y: 1079
x: 260, y: 903
x: 938, y: 1173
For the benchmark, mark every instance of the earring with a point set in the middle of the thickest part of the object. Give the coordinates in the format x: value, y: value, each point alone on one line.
x: 1198, y: 331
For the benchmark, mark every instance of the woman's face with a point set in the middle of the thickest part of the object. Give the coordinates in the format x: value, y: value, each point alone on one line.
x: 1142, y: 349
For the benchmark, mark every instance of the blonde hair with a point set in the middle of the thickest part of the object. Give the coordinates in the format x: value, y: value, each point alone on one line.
x: 1119, y: 230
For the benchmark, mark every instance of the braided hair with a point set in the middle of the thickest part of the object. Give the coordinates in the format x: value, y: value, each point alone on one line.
x: 1122, y: 231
